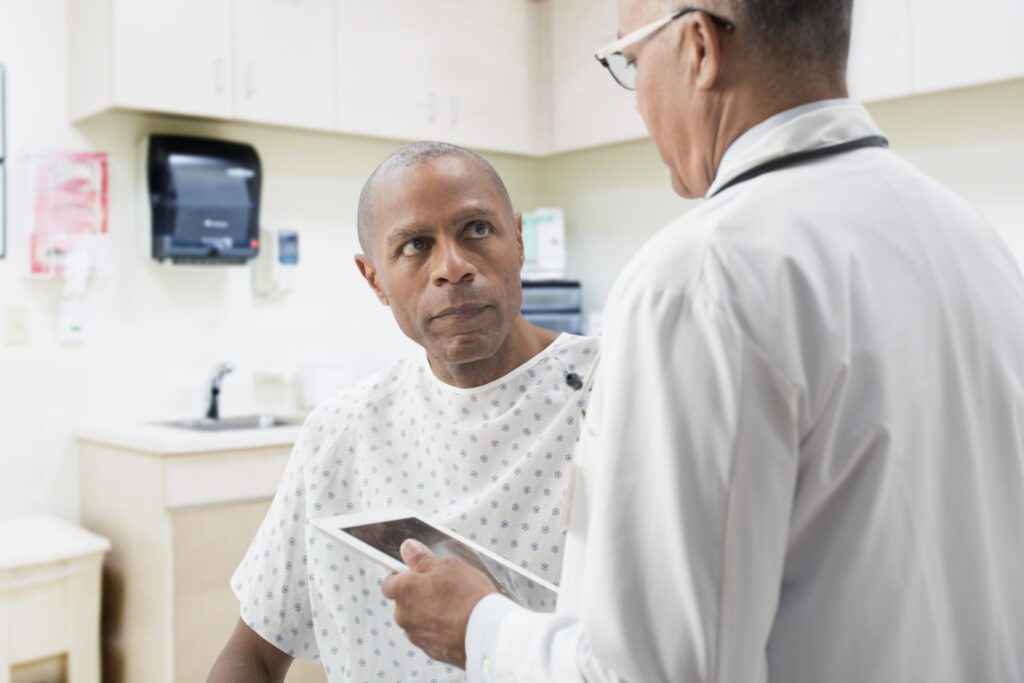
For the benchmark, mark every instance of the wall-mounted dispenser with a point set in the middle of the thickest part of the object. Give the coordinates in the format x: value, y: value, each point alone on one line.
x: 201, y: 199
x: 273, y: 270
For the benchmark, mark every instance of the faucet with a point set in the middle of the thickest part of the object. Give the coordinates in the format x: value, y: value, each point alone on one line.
x: 219, y: 372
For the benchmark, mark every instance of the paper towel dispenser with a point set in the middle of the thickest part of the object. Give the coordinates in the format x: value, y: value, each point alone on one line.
x: 202, y: 200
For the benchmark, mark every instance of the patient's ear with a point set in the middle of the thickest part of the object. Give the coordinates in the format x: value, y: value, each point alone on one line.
x: 368, y: 272
x: 519, y: 238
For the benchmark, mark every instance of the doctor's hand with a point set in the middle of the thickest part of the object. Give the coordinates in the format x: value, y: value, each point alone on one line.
x: 433, y: 601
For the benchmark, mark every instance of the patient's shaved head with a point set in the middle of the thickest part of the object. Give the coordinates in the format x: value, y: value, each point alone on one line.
x: 410, y: 155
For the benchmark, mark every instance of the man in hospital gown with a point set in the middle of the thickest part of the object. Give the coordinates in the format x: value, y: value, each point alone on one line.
x: 803, y: 456
x: 476, y: 432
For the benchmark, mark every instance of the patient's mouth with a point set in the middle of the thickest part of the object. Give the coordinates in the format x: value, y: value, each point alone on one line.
x: 466, y: 311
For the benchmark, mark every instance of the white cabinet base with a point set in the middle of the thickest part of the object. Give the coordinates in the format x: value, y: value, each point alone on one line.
x: 168, y: 606
x: 49, y: 600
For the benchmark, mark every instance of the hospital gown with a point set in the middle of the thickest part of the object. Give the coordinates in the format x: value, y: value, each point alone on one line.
x: 489, y: 462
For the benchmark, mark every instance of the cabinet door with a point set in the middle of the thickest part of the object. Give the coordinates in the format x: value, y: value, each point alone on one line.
x: 589, y: 107
x: 208, y: 543
x: 879, y: 65
x: 491, y: 60
x: 958, y: 44
x: 284, y: 62
x: 389, y: 79
x: 173, y: 56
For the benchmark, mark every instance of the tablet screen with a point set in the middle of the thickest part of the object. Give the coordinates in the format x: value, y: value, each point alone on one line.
x: 388, y: 536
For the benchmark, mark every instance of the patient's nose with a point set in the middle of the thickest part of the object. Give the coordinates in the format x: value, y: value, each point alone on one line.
x: 451, y: 264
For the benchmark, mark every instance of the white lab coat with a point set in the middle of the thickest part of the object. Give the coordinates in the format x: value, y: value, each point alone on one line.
x: 803, y: 458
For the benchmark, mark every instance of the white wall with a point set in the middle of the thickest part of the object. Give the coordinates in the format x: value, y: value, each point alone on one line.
x: 971, y: 140
x: 156, y: 331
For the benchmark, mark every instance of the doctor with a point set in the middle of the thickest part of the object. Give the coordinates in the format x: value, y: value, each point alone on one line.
x: 804, y: 458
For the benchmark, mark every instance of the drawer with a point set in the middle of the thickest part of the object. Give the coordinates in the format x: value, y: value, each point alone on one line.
x: 215, y: 479
x: 555, y: 297
x: 38, y: 621
x: 40, y: 605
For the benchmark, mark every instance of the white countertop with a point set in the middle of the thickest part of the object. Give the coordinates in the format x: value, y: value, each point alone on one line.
x: 152, y: 437
x: 44, y: 540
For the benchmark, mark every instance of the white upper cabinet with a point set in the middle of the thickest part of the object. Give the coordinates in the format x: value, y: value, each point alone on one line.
x: 515, y: 76
x: 958, y: 44
x: 388, y: 68
x: 270, y: 61
x: 902, y: 47
x: 879, y: 66
x: 452, y: 70
x: 588, y: 107
x: 166, y: 56
x: 492, y: 66
x: 285, y: 62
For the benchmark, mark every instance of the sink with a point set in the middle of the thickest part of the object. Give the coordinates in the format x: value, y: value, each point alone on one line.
x: 225, y: 424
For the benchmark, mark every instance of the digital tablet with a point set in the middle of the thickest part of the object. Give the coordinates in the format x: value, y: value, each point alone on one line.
x: 379, y: 535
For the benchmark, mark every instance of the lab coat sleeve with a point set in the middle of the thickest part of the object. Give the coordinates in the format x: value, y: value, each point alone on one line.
x: 691, y: 466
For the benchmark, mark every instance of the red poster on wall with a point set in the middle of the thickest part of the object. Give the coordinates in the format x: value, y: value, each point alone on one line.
x: 69, y: 209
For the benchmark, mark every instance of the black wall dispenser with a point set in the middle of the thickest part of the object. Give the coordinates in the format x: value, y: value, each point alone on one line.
x: 202, y: 200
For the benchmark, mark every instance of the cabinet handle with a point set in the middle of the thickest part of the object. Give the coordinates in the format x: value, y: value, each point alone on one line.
x: 250, y: 80
x: 219, y: 75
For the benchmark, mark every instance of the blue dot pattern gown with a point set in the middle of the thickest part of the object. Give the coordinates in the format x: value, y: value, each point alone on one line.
x: 490, y: 462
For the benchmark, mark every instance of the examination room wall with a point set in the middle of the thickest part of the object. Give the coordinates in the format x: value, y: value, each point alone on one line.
x: 971, y: 140
x: 155, y: 332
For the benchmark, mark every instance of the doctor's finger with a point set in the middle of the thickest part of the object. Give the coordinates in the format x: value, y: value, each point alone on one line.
x: 393, y: 584
x: 417, y: 556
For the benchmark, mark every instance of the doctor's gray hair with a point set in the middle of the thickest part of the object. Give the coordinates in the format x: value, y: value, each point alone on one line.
x: 411, y: 155
x: 809, y: 37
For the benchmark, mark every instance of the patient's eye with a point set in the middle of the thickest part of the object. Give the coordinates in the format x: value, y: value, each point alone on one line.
x: 478, y: 230
x: 416, y: 245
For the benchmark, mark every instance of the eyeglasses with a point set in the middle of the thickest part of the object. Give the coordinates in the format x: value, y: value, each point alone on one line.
x: 623, y: 70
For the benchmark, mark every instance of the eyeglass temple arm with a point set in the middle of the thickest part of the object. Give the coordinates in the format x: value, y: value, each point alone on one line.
x: 644, y: 31
x: 633, y: 37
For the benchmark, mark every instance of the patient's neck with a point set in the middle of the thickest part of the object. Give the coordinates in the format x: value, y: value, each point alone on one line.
x: 523, y: 343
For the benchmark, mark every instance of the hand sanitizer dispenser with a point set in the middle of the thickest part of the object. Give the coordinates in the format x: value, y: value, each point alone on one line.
x: 274, y: 269
x: 202, y: 200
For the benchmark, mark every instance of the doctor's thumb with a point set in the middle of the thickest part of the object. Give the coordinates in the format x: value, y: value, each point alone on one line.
x: 417, y: 556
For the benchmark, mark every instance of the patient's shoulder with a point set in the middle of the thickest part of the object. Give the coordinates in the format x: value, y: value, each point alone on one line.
x: 580, y: 349
x: 344, y: 404
x: 570, y: 354
x: 332, y: 418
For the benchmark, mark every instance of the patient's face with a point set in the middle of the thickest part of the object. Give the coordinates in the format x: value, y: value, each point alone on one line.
x: 446, y: 257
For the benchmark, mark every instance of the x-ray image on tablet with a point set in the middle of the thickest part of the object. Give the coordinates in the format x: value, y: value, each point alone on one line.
x: 379, y: 536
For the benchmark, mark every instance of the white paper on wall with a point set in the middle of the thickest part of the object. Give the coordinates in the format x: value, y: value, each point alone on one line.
x: 544, y: 244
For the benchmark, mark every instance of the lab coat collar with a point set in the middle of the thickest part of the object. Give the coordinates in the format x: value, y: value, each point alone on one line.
x: 805, y: 128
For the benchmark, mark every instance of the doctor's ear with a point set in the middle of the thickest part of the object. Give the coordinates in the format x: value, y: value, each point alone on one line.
x: 369, y: 273
x: 702, y: 43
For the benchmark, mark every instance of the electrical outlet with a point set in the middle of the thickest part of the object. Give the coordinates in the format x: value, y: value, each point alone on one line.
x: 17, y: 325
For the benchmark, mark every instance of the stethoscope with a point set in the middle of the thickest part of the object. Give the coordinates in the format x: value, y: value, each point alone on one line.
x: 807, y: 155
x: 576, y: 383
